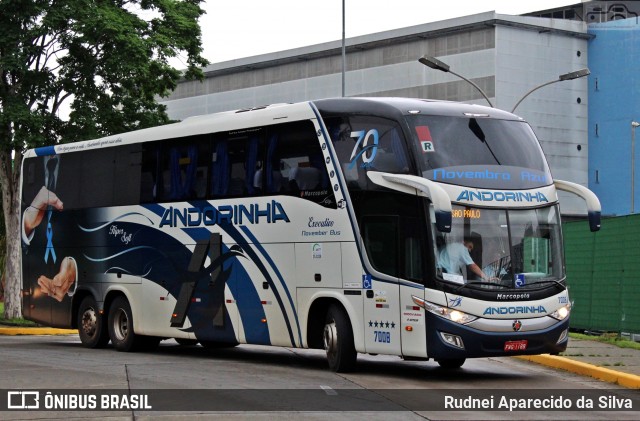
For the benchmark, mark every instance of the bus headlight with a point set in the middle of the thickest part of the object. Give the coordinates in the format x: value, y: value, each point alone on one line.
x: 456, y: 316
x: 561, y: 313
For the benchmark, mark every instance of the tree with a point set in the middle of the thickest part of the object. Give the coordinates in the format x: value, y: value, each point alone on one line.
x: 105, y: 61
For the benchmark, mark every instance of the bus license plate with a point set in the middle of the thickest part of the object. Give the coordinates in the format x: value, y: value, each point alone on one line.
x: 515, y: 345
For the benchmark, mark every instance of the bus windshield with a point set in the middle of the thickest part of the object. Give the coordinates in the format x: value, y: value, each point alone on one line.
x: 512, y: 248
x: 478, y: 152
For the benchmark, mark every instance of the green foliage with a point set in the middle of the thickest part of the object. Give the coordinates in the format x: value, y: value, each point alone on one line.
x: 109, y: 59
x: 14, y: 322
x: 613, y: 339
x: 103, y: 63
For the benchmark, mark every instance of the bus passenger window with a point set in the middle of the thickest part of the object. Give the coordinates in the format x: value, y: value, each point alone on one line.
x: 295, y: 164
x: 175, y: 170
x: 236, y: 163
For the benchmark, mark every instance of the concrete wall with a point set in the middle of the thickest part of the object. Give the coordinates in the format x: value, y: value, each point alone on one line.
x: 558, y: 112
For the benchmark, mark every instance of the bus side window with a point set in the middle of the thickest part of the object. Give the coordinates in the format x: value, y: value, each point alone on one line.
x: 220, y: 170
x: 380, y: 236
x: 295, y: 164
x: 128, y: 161
x: 272, y: 178
x: 235, y: 165
x: 174, y: 170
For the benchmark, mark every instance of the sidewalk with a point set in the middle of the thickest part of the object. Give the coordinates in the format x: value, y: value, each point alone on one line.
x: 595, y: 359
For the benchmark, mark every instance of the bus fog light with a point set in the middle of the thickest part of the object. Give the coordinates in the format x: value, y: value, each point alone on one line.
x: 453, y: 340
x: 563, y: 336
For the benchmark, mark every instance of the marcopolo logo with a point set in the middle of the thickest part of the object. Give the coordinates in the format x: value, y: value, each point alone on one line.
x: 226, y: 214
x: 501, y: 196
x: 515, y: 310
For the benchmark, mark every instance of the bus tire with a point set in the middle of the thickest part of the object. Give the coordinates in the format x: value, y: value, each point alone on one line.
x: 451, y: 363
x: 91, y: 324
x: 338, y: 341
x: 121, y: 329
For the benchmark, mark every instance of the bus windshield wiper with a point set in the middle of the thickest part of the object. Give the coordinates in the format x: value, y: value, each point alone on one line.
x: 547, y: 281
x: 481, y: 283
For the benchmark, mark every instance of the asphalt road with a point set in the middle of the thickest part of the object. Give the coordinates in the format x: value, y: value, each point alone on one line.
x: 270, y: 382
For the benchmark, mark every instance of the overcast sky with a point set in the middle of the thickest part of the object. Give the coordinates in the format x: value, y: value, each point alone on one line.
x: 242, y: 28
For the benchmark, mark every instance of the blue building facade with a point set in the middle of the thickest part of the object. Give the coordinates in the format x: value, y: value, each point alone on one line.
x: 614, y: 102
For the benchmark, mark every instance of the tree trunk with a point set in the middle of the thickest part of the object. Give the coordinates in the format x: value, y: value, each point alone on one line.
x: 13, y: 286
x: 10, y: 182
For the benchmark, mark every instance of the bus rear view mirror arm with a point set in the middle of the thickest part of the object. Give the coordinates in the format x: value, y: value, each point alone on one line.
x: 593, y: 203
x: 409, y: 183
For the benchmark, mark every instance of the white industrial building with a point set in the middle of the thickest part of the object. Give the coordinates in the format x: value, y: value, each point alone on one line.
x: 504, y: 55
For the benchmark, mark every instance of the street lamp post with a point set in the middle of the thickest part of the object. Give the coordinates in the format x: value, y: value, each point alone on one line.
x: 344, y: 49
x: 634, y: 124
x: 436, y: 64
x: 567, y: 76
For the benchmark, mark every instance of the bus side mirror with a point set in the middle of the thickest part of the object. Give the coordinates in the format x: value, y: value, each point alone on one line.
x: 409, y: 184
x: 593, y: 203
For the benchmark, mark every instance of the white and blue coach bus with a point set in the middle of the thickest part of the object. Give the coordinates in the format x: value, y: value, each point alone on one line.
x: 321, y: 224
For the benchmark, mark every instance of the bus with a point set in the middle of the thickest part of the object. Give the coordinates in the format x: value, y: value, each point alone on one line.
x: 332, y: 224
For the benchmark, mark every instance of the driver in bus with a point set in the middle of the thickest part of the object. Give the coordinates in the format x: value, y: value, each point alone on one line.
x: 455, y: 256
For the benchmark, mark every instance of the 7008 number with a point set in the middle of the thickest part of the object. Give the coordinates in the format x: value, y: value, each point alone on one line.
x: 383, y: 337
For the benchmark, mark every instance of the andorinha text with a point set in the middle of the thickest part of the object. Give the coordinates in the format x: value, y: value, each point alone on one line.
x: 227, y: 214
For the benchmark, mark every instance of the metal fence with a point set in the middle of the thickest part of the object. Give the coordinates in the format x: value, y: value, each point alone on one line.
x: 603, y: 274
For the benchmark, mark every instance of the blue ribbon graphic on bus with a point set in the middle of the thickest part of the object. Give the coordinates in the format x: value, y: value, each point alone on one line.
x: 50, y: 249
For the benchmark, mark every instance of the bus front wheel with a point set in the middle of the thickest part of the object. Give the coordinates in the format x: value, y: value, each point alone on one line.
x: 91, y: 327
x: 338, y: 341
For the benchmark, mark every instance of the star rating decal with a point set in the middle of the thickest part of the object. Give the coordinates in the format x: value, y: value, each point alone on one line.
x: 385, y: 324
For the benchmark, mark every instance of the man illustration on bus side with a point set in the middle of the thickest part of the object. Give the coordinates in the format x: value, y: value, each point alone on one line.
x: 454, y: 256
x: 43, y: 204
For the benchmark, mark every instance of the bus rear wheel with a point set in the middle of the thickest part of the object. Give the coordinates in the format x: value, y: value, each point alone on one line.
x: 91, y: 327
x: 121, y: 329
x: 338, y: 341
x: 451, y: 363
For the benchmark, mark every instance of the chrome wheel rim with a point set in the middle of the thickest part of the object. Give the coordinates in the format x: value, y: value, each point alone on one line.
x: 89, y: 323
x: 330, y: 339
x: 120, y: 325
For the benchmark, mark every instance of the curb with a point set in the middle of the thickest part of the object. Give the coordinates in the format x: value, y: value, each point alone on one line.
x: 627, y: 380
x: 14, y: 331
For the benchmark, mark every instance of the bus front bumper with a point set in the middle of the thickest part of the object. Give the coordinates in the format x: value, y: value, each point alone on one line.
x: 449, y: 340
